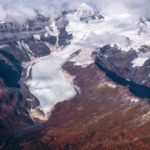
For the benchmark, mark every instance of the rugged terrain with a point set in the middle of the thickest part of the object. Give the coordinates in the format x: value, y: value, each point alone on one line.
x: 80, y: 82
x: 102, y: 116
x: 14, y: 95
x: 124, y: 63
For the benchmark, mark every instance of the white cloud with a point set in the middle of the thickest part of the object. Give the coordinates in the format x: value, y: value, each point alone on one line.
x: 23, y: 9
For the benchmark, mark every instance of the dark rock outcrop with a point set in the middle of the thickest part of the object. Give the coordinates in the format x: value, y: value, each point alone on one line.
x: 13, y: 105
x: 121, y: 63
x: 64, y: 37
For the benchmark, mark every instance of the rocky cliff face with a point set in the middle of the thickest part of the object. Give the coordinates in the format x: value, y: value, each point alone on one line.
x: 132, y: 65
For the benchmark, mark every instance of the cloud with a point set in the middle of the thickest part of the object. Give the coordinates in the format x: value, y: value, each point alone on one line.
x: 20, y: 10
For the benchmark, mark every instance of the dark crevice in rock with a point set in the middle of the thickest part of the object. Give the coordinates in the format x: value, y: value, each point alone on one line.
x: 9, y: 75
x: 137, y: 89
x: 12, y: 59
x: 122, y: 63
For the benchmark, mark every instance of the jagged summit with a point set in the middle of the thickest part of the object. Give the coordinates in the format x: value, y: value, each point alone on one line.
x: 86, y: 13
x: 85, y: 8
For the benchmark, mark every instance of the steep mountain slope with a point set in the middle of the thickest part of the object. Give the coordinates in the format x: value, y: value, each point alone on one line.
x: 102, y: 116
x: 18, y: 47
x: 87, y: 13
x: 75, y: 83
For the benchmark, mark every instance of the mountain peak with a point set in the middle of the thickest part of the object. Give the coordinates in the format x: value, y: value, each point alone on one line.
x: 86, y: 13
x: 84, y: 10
x: 85, y: 6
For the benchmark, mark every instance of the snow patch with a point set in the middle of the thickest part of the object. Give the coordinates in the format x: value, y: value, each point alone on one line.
x: 107, y: 84
x: 23, y: 45
x: 134, y: 100
x: 139, y: 62
x: 145, y: 118
x: 37, y: 37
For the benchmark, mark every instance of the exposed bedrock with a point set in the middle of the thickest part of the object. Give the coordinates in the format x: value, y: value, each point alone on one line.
x: 131, y: 65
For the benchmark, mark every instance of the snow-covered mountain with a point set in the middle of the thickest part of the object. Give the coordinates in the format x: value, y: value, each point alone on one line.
x: 66, y: 35
x: 74, y: 35
x: 41, y: 49
x: 87, y: 13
